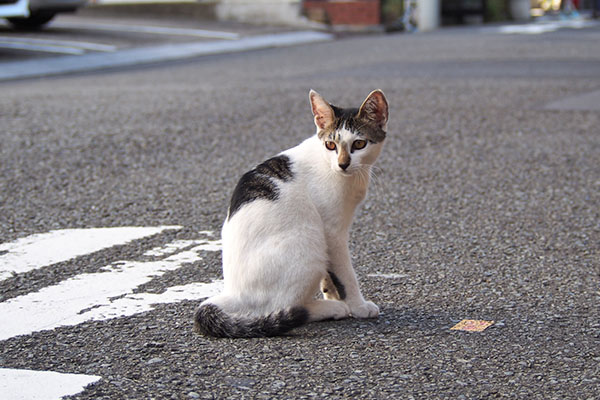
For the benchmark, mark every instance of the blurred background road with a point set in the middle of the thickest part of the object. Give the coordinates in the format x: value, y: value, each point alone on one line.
x: 484, y: 206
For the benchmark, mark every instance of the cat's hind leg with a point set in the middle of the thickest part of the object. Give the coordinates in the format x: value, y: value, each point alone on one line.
x: 322, y: 309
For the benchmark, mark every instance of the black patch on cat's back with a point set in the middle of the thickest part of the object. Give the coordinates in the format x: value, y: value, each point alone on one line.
x: 260, y: 182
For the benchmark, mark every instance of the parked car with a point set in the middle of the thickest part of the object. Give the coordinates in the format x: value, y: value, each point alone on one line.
x: 32, y: 14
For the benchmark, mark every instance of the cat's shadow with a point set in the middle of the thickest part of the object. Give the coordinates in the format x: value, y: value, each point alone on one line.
x: 391, y: 320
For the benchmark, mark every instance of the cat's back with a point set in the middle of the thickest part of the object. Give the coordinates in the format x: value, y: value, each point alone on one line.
x: 263, y: 182
x: 276, y: 187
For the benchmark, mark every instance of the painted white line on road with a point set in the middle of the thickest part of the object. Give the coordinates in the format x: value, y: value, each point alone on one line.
x: 90, y: 297
x: 540, y: 27
x: 22, y: 384
x: 156, y: 30
x: 41, y: 48
x: 528, y: 29
x: 145, y: 55
x: 387, y: 276
x: 177, y: 245
x: 589, y: 101
x: 69, y: 44
x: 101, y: 295
x: 173, y: 247
x: 40, y: 250
x: 141, y: 302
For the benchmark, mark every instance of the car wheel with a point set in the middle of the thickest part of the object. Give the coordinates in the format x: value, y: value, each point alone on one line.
x: 35, y: 20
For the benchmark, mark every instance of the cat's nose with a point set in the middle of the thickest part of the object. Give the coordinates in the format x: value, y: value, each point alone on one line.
x: 344, y: 165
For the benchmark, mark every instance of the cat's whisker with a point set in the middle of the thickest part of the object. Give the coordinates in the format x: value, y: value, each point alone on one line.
x: 362, y: 174
x: 376, y: 173
x: 376, y: 182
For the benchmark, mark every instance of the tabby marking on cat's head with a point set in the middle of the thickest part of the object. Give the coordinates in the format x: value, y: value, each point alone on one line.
x: 352, y: 136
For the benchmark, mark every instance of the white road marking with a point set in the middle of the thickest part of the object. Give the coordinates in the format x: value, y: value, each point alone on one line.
x: 141, y: 302
x: 102, y: 295
x: 387, y: 276
x: 541, y: 27
x: 40, y: 250
x: 589, y: 101
x: 41, y: 48
x: 177, y: 245
x: 69, y: 45
x: 170, y: 248
x: 22, y: 384
x: 93, y: 296
x: 156, y: 30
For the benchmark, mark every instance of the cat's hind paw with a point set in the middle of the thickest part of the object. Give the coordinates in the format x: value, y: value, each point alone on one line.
x: 367, y: 309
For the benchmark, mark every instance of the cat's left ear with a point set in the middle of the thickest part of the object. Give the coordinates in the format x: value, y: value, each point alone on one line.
x: 375, y: 109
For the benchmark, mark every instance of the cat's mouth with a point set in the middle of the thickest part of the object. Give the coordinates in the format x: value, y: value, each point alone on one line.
x: 346, y: 172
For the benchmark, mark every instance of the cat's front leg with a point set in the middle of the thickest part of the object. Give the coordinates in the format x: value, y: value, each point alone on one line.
x: 321, y: 309
x: 343, y: 277
x: 367, y: 309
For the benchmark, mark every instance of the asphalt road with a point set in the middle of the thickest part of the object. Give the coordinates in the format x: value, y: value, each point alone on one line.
x: 486, y: 206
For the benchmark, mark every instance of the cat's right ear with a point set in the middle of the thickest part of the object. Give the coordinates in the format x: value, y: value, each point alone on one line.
x: 324, y: 115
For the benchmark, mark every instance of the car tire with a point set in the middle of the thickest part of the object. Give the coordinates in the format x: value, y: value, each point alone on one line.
x: 36, y: 20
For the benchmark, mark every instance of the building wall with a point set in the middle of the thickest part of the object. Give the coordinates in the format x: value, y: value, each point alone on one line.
x: 349, y: 12
x: 291, y: 12
x: 286, y: 12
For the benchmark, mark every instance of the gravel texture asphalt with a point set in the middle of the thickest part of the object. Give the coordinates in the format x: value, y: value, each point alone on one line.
x: 485, y: 205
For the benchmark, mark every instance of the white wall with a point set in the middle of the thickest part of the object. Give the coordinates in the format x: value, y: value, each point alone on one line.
x: 287, y: 12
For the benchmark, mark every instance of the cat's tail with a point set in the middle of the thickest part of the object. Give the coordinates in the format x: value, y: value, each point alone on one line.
x: 210, y: 320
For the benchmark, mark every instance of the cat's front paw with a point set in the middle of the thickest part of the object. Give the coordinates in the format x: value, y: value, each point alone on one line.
x: 341, y: 310
x: 368, y: 309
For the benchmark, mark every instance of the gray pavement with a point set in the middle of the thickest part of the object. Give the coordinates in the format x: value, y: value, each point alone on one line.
x: 485, y: 205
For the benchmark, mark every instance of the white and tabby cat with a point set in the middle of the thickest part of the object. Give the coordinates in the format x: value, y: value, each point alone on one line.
x: 286, y: 233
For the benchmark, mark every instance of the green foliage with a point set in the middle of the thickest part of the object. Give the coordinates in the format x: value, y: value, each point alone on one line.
x: 496, y: 10
x: 391, y: 10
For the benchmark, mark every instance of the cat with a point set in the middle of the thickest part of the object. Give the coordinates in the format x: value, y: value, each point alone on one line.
x: 287, y: 229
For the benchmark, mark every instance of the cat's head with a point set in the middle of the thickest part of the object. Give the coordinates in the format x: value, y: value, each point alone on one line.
x: 351, y: 137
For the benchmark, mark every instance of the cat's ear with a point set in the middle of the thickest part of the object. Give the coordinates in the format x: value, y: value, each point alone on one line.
x: 375, y: 109
x: 324, y: 115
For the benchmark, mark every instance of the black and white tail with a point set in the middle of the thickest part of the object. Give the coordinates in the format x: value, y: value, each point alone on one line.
x: 210, y: 320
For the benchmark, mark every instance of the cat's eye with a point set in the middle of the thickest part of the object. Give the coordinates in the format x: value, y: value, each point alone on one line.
x: 330, y: 145
x: 359, y: 144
